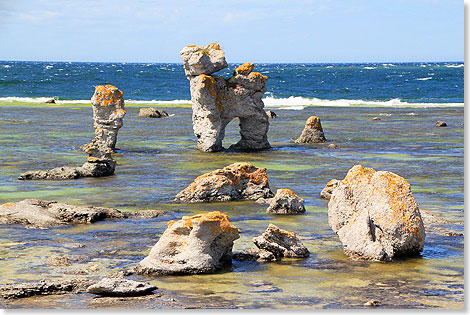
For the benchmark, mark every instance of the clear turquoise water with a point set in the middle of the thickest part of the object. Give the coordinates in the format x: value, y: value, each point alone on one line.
x: 157, y: 158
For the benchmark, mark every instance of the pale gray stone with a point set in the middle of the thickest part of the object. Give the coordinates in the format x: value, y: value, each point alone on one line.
x: 120, y: 287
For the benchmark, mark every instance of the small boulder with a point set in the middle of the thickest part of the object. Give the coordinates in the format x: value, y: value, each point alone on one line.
x: 286, y: 202
x: 152, y: 113
x: 376, y: 118
x: 51, y: 101
x: 281, y: 243
x: 58, y: 260
x: 239, y: 181
x: 254, y: 254
x: 440, y: 124
x: 198, y: 244
x: 332, y: 146
x: 375, y: 215
x: 271, y: 114
x: 313, y: 131
x: 120, y: 287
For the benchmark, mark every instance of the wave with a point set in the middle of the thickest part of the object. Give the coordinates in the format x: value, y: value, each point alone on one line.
x: 424, y: 79
x: 455, y: 66
x: 292, y: 103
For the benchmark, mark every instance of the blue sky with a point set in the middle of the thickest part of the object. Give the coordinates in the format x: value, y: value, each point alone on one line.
x: 255, y: 31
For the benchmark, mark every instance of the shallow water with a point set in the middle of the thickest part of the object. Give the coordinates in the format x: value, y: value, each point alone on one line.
x: 157, y: 158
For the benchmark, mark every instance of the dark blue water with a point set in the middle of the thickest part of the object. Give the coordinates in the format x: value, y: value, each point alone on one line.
x: 372, y: 82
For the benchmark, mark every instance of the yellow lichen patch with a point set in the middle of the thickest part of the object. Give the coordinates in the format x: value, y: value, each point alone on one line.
x: 107, y: 95
x: 358, y: 173
x: 119, y: 112
x: 286, y: 192
x: 8, y: 204
x: 215, y: 46
x: 208, y: 82
x: 313, y: 122
x: 257, y: 76
x: 215, y: 220
x: 277, y: 229
x: 245, y: 68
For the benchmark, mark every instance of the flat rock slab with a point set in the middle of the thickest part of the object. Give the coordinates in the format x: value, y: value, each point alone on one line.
x: 281, y: 243
x: 43, y: 287
x: 120, y: 287
x: 44, y: 214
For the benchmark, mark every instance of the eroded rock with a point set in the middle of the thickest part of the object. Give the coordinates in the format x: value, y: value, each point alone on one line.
x: 44, y: 214
x: 216, y: 101
x: 281, y: 243
x: 234, y: 182
x: 254, y: 254
x: 198, y: 244
x: 286, y: 202
x: 440, y: 124
x: 120, y: 287
x: 152, y: 113
x: 271, y: 114
x: 375, y: 215
x: 313, y: 131
x: 42, y: 287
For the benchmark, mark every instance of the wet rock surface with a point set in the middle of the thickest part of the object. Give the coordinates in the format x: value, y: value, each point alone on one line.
x: 239, y: 181
x: 43, y: 214
x: 254, y: 254
x: 120, y: 287
x: 375, y: 215
x: 152, y: 113
x: 216, y: 101
x: 281, y: 243
x: 313, y: 131
x: 197, y: 244
x: 440, y: 124
x: 286, y: 202
x: 43, y: 287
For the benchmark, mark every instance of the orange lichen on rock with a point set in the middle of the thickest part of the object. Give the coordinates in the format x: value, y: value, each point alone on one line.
x: 245, y: 68
x: 215, y: 46
x: 8, y: 204
x: 314, y: 122
x: 107, y: 94
x: 208, y: 82
x: 286, y: 192
x: 257, y: 76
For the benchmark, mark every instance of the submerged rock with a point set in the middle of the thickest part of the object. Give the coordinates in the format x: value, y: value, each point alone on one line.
x: 440, y: 124
x: 281, y: 243
x: 108, y: 111
x: 234, y: 182
x: 313, y: 131
x: 44, y: 214
x: 152, y: 113
x: 375, y: 215
x: 254, y: 254
x: 271, y: 114
x: 120, y: 287
x: 216, y: 101
x: 198, y: 244
x: 286, y: 202
x: 332, y: 146
x: 43, y: 287
x: 51, y: 101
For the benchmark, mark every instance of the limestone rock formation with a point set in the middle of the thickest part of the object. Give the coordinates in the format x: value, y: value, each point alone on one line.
x: 271, y: 114
x: 152, y: 113
x: 375, y: 215
x: 281, y: 243
x: 108, y: 112
x: 254, y: 254
x: 216, y: 101
x: 120, y: 287
x: 286, y: 202
x: 43, y: 214
x: 198, y: 244
x: 313, y: 131
x: 42, y: 287
x: 234, y: 182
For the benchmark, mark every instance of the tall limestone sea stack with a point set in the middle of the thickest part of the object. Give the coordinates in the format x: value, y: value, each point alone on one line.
x: 108, y: 112
x: 216, y: 101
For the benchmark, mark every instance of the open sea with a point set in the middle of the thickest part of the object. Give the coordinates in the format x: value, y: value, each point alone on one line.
x: 157, y: 158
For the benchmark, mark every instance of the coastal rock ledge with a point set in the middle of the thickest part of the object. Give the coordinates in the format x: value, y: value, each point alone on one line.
x: 375, y: 215
x: 43, y: 214
x: 198, y: 244
x: 237, y: 181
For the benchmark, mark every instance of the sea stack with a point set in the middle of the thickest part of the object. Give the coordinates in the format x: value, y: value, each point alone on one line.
x: 108, y: 112
x: 216, y: 101
x: 313, y: 131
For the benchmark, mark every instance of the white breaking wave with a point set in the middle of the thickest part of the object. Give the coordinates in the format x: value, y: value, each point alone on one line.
x: 370, y: 68
x: 424, y: 79
x: 290, y: 103
x: 455, y: 66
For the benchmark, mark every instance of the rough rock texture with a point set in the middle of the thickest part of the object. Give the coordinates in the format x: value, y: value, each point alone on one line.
x: 152, y: 113
x: 286, y: 202
x: 120, y: 287
x: 216, y: 101
x: 440, y: 124
x: 375, y: 215
x: 281, y: 243
x: 197, y: 244
x: 313, y: 131
x: 234, y: 182
x: 108, y: 111
x: 328, y: 190
x: 42, y: 287
x: 254, y: 254
x: 43, y: 214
